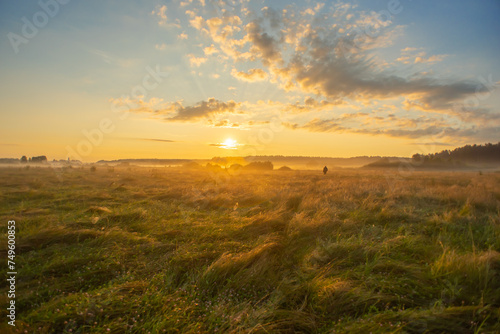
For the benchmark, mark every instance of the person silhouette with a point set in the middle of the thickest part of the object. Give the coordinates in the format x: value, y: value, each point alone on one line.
x: 325, y: 169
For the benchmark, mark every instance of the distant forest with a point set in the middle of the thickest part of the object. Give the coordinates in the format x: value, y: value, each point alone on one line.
x: 468, y: 155
x: 487, y: 153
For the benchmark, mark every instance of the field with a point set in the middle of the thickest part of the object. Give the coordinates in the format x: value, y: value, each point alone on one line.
x: 142, y: 250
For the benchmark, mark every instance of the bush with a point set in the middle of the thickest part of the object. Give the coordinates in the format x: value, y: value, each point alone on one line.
x: 259, y: 165
x: 213, y: 167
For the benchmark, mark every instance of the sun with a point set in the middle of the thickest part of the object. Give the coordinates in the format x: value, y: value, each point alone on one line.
x: 229, y: 144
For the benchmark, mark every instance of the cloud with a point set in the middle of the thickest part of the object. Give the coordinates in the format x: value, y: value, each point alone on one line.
x: 210, y: 50
x: 190, y: 13
x: 197, y: 22
x: 434, y: 129
x: 327, y: 62
x: 175, y: 111
x: 226, y: 123
x: 222, y: 30
x: 225, y: 146
x: 211, y: 112
x: 161, y: 13
x: 223, y: 123
x: 308, y: 11
x: 309, y: 105
x: 159, y: 140
x: 431, y: 59
x: 408, y: 49
x: 138, y: 105
x: 410, y: 55
x: 334, y: 125
x: 265, y: 46
x: 254, y: 74
x: 317, y: 125
x: 185, y: 3
x: 182, y: 36
x: 341, y: 78
x: 196, y: 61
x: 161, y: 47
x: 204, y: 109
x: 110, y: 59
x: 432, y: 143
x: 324, y: 56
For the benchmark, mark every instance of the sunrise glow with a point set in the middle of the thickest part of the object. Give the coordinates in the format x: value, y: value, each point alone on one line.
x: 169, y: 80
x: 230, y: 144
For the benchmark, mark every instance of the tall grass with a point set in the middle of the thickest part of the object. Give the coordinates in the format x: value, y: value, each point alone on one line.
x: 134, y: 250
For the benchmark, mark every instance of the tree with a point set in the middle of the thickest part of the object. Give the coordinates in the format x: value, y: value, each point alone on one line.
x: 259, y: 165
x: 39, y: 159
x: 24, y: 159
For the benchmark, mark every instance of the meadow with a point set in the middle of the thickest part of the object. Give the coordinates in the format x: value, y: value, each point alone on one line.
x: 162, y: 250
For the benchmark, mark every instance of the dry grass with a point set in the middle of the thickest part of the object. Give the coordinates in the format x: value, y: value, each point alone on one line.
x: 138, y: 250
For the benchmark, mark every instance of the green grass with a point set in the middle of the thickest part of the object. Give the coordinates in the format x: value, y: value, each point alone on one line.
x: 136, y: 250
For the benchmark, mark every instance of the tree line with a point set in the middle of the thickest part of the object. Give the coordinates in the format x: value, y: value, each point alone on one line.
x: 469, y: 153
x: 38, y: 159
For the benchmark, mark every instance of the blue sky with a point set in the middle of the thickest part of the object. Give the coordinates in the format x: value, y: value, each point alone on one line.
x: 309, y: 78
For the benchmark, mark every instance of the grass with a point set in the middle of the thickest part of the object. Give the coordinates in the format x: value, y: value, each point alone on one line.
x: 141, y: 250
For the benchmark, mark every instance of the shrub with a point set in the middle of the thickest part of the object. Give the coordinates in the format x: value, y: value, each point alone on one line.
x: 259, y: 165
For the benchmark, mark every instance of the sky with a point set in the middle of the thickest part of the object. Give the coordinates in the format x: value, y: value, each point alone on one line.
x: 93, y: 80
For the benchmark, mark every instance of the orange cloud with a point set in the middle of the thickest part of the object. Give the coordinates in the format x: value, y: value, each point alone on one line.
x: 161, y: 13
x: 255, y: 74
x: 196, y: 61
